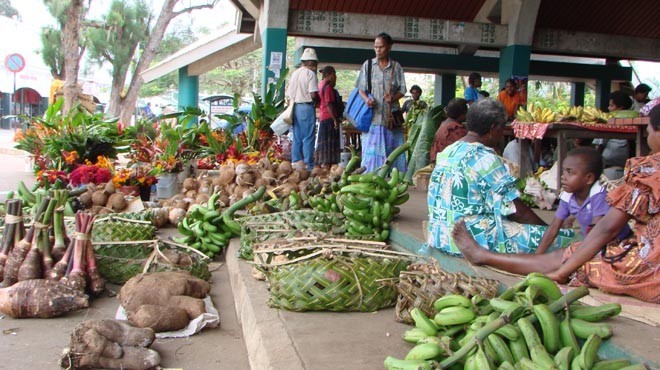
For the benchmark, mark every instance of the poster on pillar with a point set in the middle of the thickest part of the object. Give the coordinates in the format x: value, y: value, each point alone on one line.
x: 521, y: 87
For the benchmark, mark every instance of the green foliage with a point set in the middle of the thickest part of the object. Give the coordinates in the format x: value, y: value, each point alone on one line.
x: 55, y: 136
x: 51, y: 52
x: 7, y: 10
x: 124, y: 27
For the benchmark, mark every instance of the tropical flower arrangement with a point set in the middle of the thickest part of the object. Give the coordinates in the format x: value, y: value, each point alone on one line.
x: 135, y: 176
x: 52, y: 179
x: 89, y: 174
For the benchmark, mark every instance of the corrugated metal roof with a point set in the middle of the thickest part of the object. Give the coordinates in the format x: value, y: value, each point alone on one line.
x: 464, y: 10
x: 638, y: 18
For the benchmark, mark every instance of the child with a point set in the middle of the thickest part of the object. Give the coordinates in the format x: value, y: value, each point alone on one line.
x: 583, y: 197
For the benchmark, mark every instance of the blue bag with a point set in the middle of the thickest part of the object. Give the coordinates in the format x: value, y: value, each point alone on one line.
x: 357, y: 112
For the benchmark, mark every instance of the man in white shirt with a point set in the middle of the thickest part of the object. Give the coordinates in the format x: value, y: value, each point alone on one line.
x: 302, y: 91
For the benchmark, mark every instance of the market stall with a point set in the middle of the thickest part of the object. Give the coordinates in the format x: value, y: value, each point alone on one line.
x: 564, y: 132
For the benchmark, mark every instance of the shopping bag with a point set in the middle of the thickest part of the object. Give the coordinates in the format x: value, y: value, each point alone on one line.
x: 283, y: 122
x: 357, y: 112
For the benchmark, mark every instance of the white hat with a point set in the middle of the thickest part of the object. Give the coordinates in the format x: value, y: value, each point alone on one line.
x: 309, y: 54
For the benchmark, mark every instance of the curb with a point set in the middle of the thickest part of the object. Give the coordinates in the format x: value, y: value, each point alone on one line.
x: 269, y: 345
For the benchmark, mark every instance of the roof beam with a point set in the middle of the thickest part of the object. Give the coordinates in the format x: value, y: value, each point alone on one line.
x: 596, y: 44
x: 490, y: 12
x: 250, y: 6
x: 405, y: 29
x: 520, y: 15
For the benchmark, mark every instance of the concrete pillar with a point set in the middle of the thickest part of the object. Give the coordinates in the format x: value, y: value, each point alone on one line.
x: 188, y: 89
x: 603, y: 89
x: 273, y: 50
x: 445, y: 88
x: 514, y: 61
x: 273, y: 22
x: 577, y: 93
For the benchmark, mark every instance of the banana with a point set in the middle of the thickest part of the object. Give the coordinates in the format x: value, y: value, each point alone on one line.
x: 509, y: 332
x: 615, y: 364
x: 575, y: 364
x: 501, y: 349
x: 423, y: 322
x: 537, y: 352
x: 454, y: 316
x: 501, y: 305
x: 596, y: 313
x: 634, y: 367
x: 566, y: 335
x: 545, y: 284
x: 527, y: 364
x: 481, y: 360
x: 424, y: 351
x: 392, y: 363
x: 583, y: 329
x: 429, y: 339
x: 564, y: 357
x: 506, y: 366
x: 414, y: 335
x: 549, y: 326
x: 589, y: 353
x: 451, y: 300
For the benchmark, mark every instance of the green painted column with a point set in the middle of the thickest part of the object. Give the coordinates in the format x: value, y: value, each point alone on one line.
x: 514, y: 61
x: 274, y: 51
x: 188, y: 89
x: 603, y: 89
x: 445, y: 88
x: 577, y: 93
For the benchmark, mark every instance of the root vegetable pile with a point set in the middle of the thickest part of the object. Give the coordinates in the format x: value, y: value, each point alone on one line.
x: 40, y: 298
x: 110, y: 344
x: 500, y: 333
x: 163, y: 301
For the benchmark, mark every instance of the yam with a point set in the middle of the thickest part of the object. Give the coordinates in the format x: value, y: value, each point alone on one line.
x: 110, y: 344
x: 100, y: 197
x: 194, y: 307
x: 157, y: 287
x: 159, y: 318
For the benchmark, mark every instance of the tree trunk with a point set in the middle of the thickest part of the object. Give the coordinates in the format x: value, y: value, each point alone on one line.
x: 167, y: 13
x: 70, y: 41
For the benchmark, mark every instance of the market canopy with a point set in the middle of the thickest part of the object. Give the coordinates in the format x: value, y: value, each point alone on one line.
x: 26, y: 95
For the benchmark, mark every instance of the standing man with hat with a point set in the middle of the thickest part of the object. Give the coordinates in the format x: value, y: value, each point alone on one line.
x: 302, y: 91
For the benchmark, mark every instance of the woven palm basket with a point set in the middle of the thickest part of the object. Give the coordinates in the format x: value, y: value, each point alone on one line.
x: 120, y: 261
x: 285, y: 225
x: 334, y: 278
x: 423, y: 283
x: 114, y: 228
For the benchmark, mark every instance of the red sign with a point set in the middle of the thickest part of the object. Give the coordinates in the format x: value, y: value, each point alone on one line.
x: 15, y: 62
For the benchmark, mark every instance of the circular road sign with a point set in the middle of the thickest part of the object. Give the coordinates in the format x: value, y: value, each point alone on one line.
x: 15, y: 62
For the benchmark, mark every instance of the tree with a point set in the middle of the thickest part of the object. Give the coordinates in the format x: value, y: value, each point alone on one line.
x: 62, y: 48
x: 167, y: 13
x: 7, y: 10
x: 116, y: 40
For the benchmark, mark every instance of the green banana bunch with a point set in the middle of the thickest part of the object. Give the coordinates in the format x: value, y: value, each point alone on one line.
x: 206, y: 229
x: 369, y: 203
x: 392, y: 363
x: 423, y: 322
x: 596, y: 313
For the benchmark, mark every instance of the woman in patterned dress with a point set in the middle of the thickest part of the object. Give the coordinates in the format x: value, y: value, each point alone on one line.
x: 471, y: 182
x: 630, y: 267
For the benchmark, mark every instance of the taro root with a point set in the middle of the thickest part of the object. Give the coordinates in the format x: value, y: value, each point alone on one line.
x: 245, y: 178
x: 284, y: 168
x: 202, y: 198
x: 269, y: 176
x: 99, y: 198
x: 109, y: 188
x: 191, y: 194
x: 116, y: 202
x: 85, y: 199
x: 190, y: 183
x: 40, y: 298
x: 176, y: 215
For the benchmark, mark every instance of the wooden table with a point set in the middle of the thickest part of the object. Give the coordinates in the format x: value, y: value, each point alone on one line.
x: 564, y: 132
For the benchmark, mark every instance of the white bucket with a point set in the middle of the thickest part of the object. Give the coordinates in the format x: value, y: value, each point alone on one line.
x: 167, y: 186
x: 344, y: 157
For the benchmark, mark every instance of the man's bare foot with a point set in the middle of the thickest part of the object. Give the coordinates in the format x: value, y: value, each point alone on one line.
x: 467, y: 245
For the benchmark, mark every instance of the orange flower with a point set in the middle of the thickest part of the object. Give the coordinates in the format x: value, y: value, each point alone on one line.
x: 70, y: 157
